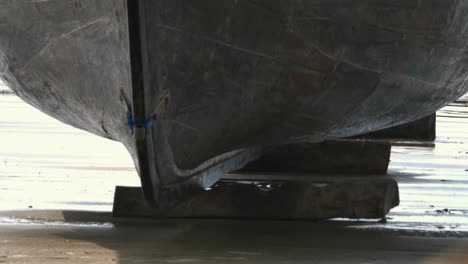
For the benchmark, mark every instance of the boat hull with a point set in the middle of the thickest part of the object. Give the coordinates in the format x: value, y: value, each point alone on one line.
x: 227, y: 78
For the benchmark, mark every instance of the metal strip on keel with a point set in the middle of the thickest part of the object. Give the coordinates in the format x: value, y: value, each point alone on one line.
x: 149, y: 178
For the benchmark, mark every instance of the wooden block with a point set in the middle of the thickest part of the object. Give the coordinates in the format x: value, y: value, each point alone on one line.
x: 338, y: 156
x: 367, y: 198
x: 423, y: 129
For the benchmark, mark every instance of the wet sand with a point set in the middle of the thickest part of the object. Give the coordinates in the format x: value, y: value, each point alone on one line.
x: 57, y: 183
x: 215, y: 241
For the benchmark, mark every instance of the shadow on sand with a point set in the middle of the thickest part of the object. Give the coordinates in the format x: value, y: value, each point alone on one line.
x: 238, y: 241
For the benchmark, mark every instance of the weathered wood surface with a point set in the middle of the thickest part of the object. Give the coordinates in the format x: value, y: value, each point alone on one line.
x: 226, y: 77
x: 338, y: 156
x: 423, y: 129
x: 364, y: 198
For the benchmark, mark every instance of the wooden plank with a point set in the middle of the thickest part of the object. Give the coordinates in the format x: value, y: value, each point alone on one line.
x: 365, y: 198
x: 423, y: 129
x: 337, y: 156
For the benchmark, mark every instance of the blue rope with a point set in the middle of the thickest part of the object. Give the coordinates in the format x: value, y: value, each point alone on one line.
x: 132, y: 123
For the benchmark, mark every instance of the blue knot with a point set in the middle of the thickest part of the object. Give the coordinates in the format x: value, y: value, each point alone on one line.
x: 132, y: 123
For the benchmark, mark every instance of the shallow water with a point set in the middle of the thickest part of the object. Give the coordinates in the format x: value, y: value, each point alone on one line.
x: 437, y: 198
x: 45, y: 164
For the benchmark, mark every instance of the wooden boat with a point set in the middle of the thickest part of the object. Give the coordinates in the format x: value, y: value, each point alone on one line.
x: 196, y: 89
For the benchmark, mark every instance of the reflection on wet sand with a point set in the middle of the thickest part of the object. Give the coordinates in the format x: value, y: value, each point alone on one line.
x: 437, y: 197
x: 45, y: 164
x: 215, y: 241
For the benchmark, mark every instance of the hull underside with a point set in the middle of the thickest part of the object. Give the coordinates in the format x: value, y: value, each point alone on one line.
x: 225, y: 79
